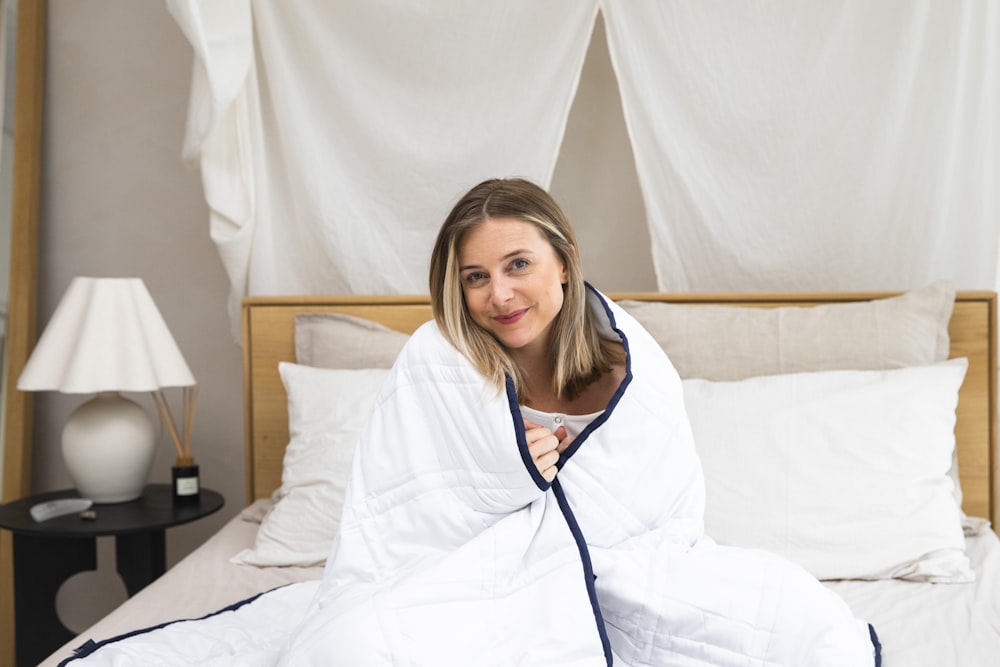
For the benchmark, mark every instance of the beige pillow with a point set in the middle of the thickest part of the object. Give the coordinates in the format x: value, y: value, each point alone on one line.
x: 734, y: 343
x: 336, y: 340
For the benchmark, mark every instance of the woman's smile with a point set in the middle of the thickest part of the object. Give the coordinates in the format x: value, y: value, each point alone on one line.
x: 511, y: 318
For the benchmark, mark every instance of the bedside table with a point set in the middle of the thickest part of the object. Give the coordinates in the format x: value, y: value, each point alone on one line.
x: 46, y: 554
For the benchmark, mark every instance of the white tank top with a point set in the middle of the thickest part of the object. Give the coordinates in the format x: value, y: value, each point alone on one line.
x: 553, y: 420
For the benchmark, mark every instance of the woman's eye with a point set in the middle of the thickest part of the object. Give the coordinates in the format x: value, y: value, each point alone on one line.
x: 474, y: 277
x: 519, y: 264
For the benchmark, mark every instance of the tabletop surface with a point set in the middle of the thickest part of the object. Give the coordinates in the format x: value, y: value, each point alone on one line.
x: 153, y: 510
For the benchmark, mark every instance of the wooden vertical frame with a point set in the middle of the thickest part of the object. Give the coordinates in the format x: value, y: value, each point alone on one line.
x: 22, y: 303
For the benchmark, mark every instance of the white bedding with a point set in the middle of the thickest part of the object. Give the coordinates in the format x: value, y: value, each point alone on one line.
x: 421, y: 521
x: 936, y: 625
x: 201, y: 583
x: 919, y: 624
x: 451, y: 545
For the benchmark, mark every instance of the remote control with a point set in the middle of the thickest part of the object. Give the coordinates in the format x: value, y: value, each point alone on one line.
x: 53, y: 508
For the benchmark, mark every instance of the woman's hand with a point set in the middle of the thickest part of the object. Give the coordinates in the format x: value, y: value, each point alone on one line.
x: 545, y: 447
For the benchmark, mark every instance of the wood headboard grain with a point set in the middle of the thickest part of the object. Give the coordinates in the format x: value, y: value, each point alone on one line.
x: 268, y: 337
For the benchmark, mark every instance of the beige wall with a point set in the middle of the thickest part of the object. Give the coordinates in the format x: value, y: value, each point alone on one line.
x: 118, y: 202
x: 596, y: 183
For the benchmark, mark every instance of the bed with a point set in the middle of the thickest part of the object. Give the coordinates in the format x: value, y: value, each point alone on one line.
x: 850, y: 356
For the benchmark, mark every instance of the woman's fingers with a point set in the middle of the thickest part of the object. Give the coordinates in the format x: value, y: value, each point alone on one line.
x: 547, y: 460
x: 564, y: 441
x: 540, y: 444
x: 546, y: 464
x: 543, y: 447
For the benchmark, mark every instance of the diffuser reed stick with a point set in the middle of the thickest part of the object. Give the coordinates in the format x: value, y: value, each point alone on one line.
x: 183, y: 455
x: 190, y: 396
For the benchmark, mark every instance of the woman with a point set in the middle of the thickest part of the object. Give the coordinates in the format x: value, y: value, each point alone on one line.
x: 507, y: 291
x: 527, y: 490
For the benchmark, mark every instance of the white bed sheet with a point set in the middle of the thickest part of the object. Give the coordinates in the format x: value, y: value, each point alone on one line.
x: 919, y: 625
x: 936, y: 625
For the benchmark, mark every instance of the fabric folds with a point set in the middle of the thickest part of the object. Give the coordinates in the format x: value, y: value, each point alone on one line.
x: 333, y: 137
x: 783, y: 146
x: 778, y: 145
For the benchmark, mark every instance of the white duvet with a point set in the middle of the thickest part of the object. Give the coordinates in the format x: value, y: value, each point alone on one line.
x: 454, y: 551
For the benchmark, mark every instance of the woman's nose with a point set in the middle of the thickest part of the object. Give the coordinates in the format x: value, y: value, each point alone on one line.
x: 501, y: 289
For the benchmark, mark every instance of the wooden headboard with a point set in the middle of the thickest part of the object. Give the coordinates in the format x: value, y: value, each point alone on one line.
x: 268, y: 337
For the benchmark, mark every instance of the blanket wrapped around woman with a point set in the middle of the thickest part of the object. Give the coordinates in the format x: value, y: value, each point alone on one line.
x: 454, y: 550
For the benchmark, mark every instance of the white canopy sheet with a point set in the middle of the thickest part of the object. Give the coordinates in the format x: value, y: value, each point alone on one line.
x: 780, y: 145
x: 783, y: 145
x: 334, y: 137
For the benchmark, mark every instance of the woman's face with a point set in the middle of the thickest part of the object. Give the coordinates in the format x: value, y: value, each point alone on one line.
x: 512, y: 282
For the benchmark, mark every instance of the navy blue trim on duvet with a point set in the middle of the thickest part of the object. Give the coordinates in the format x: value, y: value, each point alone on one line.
x: 588, y: 567
x: 515, y: 408
x: 626, y: 381
x: 574, y: 527
x: 89, y: 646
x: 876, y: 644
x: 522, y: 441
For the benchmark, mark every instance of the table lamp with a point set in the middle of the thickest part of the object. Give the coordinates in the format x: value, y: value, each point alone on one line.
x: 107, y: 336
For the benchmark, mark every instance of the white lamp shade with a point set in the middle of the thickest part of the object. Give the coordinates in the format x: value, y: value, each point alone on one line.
x: 105, y: 335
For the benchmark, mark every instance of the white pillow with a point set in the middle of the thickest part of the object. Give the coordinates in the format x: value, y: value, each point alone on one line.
x: 327, y: 409
x: 844, y: 472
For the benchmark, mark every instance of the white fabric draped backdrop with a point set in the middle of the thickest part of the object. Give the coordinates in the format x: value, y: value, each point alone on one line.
x: 780, y: 145
x: 806, y: 146
x: 334, y: 137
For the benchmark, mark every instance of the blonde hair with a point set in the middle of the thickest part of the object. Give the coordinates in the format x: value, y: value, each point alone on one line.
x: 580, y: 355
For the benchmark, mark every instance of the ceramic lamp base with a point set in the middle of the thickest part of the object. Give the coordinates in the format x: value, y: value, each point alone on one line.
x: 108, y: 446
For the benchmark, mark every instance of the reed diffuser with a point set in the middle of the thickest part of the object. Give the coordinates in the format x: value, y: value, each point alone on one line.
x: 185, y: 470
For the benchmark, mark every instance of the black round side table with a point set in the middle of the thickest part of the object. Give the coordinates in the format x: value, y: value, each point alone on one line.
x: 47, y: 553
